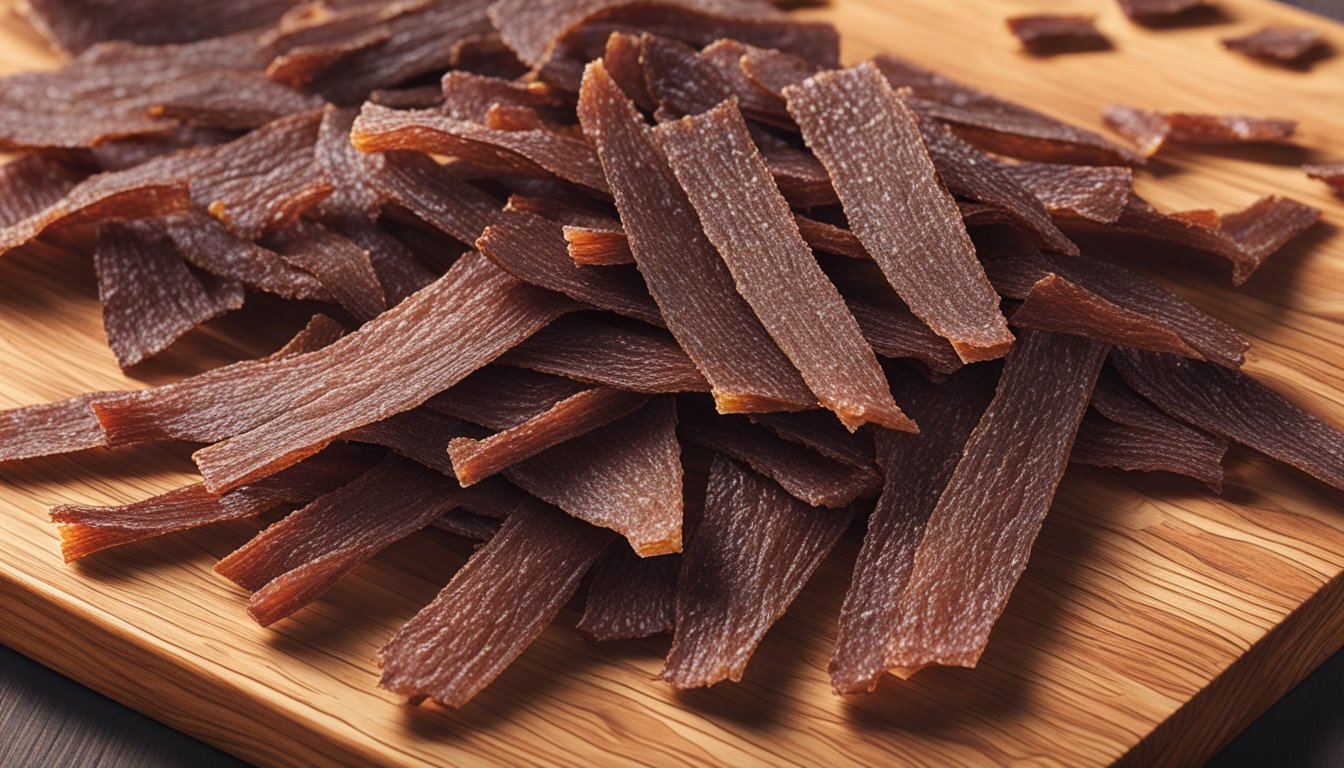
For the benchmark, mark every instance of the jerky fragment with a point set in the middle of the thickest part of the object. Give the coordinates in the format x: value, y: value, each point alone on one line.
x: 630, y: 596
x: 1150, y: 10
x: 725, y: 57
x: 1281, y: 44
x: 686, y: 277
x: 1096, y: 193
x: 1111, y: 445
x: 1235, y: 406
x: 678, y: 81
x: 294, y: 561
x: 423, y: 346
x: 752, y: 552
x: 426, y: 189
x: 905, y: 218
x: 899, y: 334
x: 495, y: 606
x: 460, y: 522
x: 999, y: 492
x: 230, y: 99
x: 1049, y: 32
x: 421, y: 435
x: 468, y: 96
x: 816, y: 430
x: 485, y: 55
x: 1332, y: 174
x: 343, y: 268
x: 209, y: 245
x: 625, y: 476
x: 78, y: 24
x: 1152, y: 130
x: 502, y: 398
x: 398, y: 271
x: 33, y: 183
x: 622, y: 57
x: 150, y: 297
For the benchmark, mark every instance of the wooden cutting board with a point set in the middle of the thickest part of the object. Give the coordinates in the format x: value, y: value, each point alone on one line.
x: 1153, y: 623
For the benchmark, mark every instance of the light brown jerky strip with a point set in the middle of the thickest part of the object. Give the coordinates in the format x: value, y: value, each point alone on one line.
x: 1286, y: 45
x: 1000, y: 492
x: 495, y: 606
x: 686, y: 277
x: 294, y: 561
x: 818, y: 431
x: 916, y: 468
x: 600, y: 247
x: 749, y: 223
x: 421, y: 435
x: 1332, y: 174
x: 343, y: 268
x: 1150, y: 130
x: 150, y: 297
x: 625, y: 476
x: 1050, y: 32
x: 900, y: 211
x: 1235, y: 406
x: 1112, y: 445
x: 753, y: 550
x: 1098, y: 193
x: 630, y: 596
x: 423, y: 346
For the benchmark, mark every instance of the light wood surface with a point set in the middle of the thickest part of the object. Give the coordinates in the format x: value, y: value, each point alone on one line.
x: 1154, y: 620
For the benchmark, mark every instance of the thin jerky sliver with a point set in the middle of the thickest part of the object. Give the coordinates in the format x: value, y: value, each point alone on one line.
x: 502, y: 398
x: 816, y: 430
x: 341, y: 266
x: 897, y: 207
x: 209, y: 246
x: 421, y: 435
x: 105, y: 196
x: 230, y: 99
x: 78, y: 24
x: 1282, y: 44
x: 1151, y: 131
x: 469, y: 96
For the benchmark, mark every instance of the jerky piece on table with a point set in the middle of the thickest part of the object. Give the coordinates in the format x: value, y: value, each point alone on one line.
x: 100, y: 197
x: 501, y: 398
x: 630, y: 596
x: 916, y: 468
x: 421, y: 435
x: 817, y: 430
x: 747, y: 220
x: 1096, y: 193
x: 150, y: 297
x: 468, y: 97
x: 343, y: 268
x: 752, y: 551
x: 1112, y: 445
x: 33, y: 183
x: 1332, y: 174
x: 494, y: 607
x: 687, y: 278
x: 980, y: 533
x: 1285, y: 45
x: 209, y: 245
x: 295, y: 560
x: 472, y: 527
x: 1159, y: 10
x: 1151, y: 130
x: 395, y: 362
x: 1233, y: 405
x: 625, y: 476
x: 229, y: 99
x: 85, y: 529
x: 898, y: 208
x: 78, y: 24
x: 1057, y: 33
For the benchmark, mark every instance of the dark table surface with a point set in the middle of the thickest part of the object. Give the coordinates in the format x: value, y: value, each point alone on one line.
x: 50, y: 721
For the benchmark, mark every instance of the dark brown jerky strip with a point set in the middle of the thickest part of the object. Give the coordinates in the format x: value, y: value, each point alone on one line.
x: 473, y: 527
x: 121, y: 154
x: 495, y: 606
x: 426, y: 189
x: 101, y: 197
x: 752, y: 552
x: 502, y: 398
x: 596, y: 353
x: 1332, y: 174
x: 295, y: 560
x: 824, y: 236
x: 398, y: 271
x: 85, y: 530
x: 150, y: 297
x: 474, y: 460
x: 421, y: 435
x: 1111, y: 445
x: 630, y: 596
x: 423, y: 346
x: 231, y: 99
x: 622, y: 58
x: 679, y: 82
x: 802, y: 179
x: 996, y: 124
x: 574, y: 211
x: 1097, y: 193
x: 303, y: 53
x: 343, y: 268
x: 1151, y: 131
x: 1282, y: 44
x: 1049, y: 32
x: 817, y: 430
x: 410, y: 97
x: 685, y: 275
x: 773, y: 71
x: 33, y: 183
x: 1145, y: 10
x: 625, y: 476
x: 541, y: 153
x: 1000, y: 491
x: 1235, y: 406
x: 725, y: 58
x: 210, y: 246
x: 78, y: 24
x: 917, y: 468
x: 468, y: 96
x: 486, y: 55
x: 749, y: 223
x: 533, y: 249
x: 900, y: 211
x: 804, y: 473
x: 900, y: 335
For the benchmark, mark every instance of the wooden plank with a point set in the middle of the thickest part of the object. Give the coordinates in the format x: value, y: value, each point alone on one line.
x: 1154, y: 620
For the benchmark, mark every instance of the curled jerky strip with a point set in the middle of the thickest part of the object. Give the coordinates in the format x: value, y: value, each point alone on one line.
x: 725, y: 58
x: 105, y: 196
x: 630, y: 596
x: 1151, y: 130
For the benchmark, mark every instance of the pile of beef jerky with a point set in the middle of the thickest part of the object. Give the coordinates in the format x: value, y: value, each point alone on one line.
x: 592, y: 258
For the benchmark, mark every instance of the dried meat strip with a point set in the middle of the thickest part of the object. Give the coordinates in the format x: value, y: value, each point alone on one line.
x: 999, y: 492
x: 685, y: 275
x: 33, y: 183
x: 916, y: 469
x: 494, y: 607
x: 423, y: 346
x: 1112, y: 445
x: 1050, y: 32
x: 900, y: 335
x: 622, y: 57
x: 625, y: 476
x: 1096, y: 193
x: 98, y: 198
x: 1150, y: 10
x: 818, y: 431
x: 343, y: 268
x: 78, y: 24
x: 1233, y: 405
x: 630, y: 596
x: 1282, y: 44
x: 150, y: 297
x: 229, y: 99
x: 1332, y: 174
x: 209, y: 245
x: 592, y: 246
x: 473, y: 527
x: 294, y: 561
x: 502, y: 398
x: 421, y: 435
x: 486, y: 55
x: 398, y: 271
x: 468, y: 96
x: 753, y: 550
x: 900, y: 211
x: 1150, y: 130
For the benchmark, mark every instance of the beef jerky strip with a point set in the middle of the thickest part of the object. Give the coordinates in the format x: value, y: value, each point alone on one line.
x: 1151, y: 130
x: 150, y: 297
x: 421, y: 435
x: 772, y: 71
x: 1050, y: 32
x: 78, y: 24
x: 486, y: 55
x: 1097, y: 193
x: 593, y: 246
x: 343, y: 268
x: 999, y: 492
x: 1233, y: 405
x: 996, y: 124
x: 749, y: 223
x: 230, y: 99
x: 86, y: 530
x: 622, y: 56
x: 596, y: 353
x: 209, y: 245
x: 1112, y: 445
x: 304, y: 53
x: 542, y: 153
x: 900, y: 211
x: 1332, y: 174
x: 630, y: 596
x: 725, y: 58
x: 410, y: 97
x: 802, y: 179
x: 533, y: 249
x: 900, y: 335
x: 426, y: 189
x: 294, y: 561
x: 502, y: 398
x: 679, y: 82
x: 752, y: 552
x: 685, y: 275
x: 818, y: 431
x: 468, y: 97
x: 917, y: 469
x: 98, y: 198
x: 423, y: 346
x: 1149, y: 10
x: 1282, y: 44
x: 399, y: 273
x: 625, y: 476
x: 494, y: 607
x: 473, y: 527
x: 1094, y: 298
x: 804, y: 473
x: 33, y: 183
x: 573, y: 211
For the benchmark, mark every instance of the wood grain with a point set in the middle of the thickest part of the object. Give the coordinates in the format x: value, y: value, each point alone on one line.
x: 1154, y: 621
